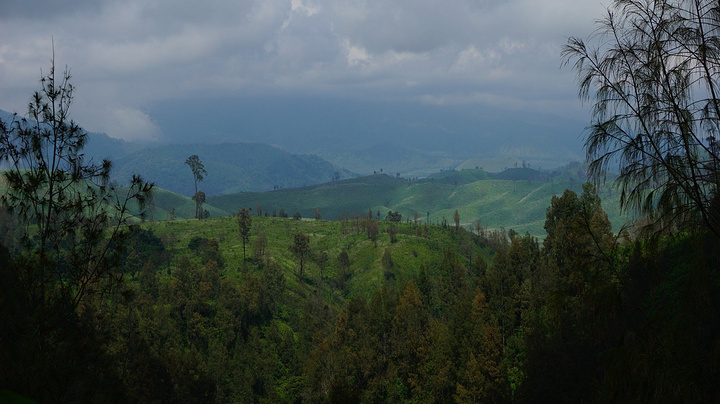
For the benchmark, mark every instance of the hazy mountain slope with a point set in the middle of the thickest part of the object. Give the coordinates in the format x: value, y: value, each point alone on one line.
x: 231, y: 167
x: 414, y: 162
x: 304, y: 124
x: 458, y: 177
x: 391, y: 158
x: 99, y: 145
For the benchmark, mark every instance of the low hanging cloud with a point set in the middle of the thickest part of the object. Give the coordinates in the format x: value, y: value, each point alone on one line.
x: 132, y: 53
x: 121, y: 121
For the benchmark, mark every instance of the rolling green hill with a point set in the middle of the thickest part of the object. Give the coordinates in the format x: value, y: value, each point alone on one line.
x: 165, y: 201
x: 331, y: 199
x: 514, y: 199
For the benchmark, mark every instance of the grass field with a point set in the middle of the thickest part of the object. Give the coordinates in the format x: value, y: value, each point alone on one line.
x: 411, y: 251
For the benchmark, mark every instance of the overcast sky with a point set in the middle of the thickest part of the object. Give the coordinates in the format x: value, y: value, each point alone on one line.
x: 127, y: 55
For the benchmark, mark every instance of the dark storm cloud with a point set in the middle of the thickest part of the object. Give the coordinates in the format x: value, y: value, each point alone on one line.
x: 127, y: 54
x: 46, y: 10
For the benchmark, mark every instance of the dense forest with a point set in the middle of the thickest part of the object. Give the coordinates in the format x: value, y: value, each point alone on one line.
x: 383, y: 312
x: 99, y: 304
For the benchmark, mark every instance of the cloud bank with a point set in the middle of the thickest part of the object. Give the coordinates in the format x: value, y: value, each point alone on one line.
x: 127, y: 55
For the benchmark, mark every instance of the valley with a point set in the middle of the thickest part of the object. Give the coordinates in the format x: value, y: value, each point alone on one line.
x: 515, y: 199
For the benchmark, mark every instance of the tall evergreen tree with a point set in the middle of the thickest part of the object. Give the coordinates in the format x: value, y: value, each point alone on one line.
x: 199, y: 173
x: 73, y: 223
x: 244, y: 225
x: 301, y: 249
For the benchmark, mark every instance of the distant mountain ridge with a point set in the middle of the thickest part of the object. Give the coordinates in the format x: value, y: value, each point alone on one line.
x: 411, y: 162
x: 363, y: 136
x: 390, y: 158
x: 304, y: 124
x: 231, y: 167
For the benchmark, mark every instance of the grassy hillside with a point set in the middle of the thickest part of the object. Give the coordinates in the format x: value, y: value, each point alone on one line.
x: 497, y: 200
x: 414, y: 248
x: 165, y: 201
x: 331, y: 199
